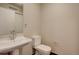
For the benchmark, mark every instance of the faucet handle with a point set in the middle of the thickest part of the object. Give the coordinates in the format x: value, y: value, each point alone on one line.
x: 12, y: 32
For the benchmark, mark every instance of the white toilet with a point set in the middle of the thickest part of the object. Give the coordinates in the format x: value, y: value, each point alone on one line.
x: 41, y: 49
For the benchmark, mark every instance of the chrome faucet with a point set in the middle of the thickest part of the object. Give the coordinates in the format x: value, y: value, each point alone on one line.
x: 12, y: 34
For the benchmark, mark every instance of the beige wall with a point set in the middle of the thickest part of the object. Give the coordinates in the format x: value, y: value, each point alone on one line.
x: 32, y: 19
x: 59, y: 25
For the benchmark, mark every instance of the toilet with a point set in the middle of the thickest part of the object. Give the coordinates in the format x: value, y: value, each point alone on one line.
x: 41, y: 49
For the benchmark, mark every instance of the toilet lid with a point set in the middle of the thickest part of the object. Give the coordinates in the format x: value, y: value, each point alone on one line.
x: 43, y: 48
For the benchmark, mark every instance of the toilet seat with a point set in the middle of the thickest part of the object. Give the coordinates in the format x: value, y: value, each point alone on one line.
x: 43, y: 48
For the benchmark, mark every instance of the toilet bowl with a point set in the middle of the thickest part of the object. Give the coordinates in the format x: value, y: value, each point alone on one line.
x: 41, y: 49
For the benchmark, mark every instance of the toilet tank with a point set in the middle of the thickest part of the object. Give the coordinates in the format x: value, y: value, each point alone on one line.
x: 36, y: 40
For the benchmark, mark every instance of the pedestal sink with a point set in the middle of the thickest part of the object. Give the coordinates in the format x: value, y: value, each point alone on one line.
x: 9, y: 45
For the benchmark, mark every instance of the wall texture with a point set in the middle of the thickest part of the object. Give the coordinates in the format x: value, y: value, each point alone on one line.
x: 31, y: 22
x: 32, y: 19
x: 59, y: 23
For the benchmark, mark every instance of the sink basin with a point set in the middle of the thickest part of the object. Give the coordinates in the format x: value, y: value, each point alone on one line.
x: 8, y: 45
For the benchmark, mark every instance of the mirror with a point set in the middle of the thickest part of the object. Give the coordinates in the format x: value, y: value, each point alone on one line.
x: 11, y: 18
x: 18, y: 22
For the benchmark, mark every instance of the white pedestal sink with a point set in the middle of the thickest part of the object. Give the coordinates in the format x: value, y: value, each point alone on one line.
x: 9, y: 45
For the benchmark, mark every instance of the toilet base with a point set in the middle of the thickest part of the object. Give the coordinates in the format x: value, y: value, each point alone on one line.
x: 43, y: 53
x: 35, y: 52
x: 51, y: 53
